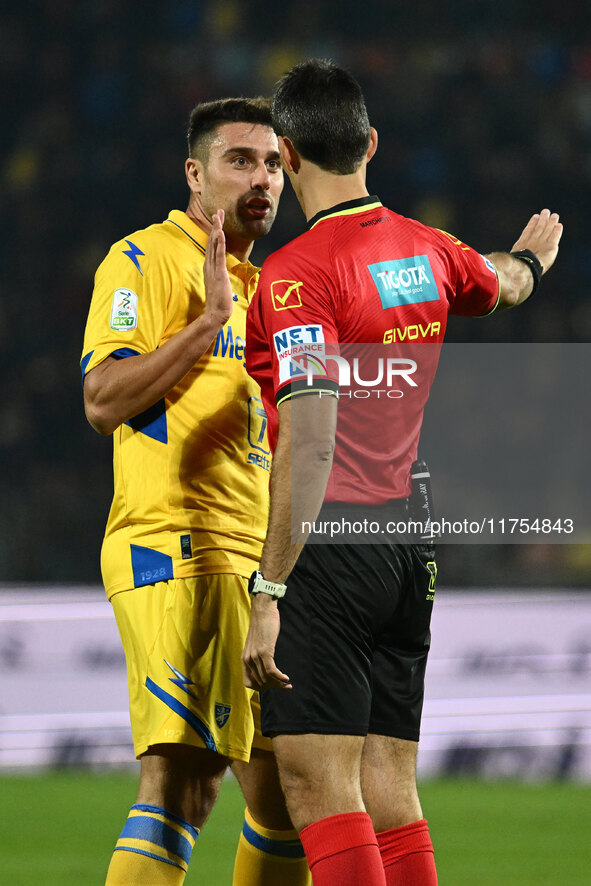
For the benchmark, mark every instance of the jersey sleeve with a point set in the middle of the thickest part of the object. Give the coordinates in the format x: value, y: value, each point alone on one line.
x: 293, y: 322
x: 475, y: 288
x: 130, y: 304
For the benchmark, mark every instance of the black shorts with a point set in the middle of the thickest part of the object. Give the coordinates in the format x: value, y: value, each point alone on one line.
x: 354, y: 640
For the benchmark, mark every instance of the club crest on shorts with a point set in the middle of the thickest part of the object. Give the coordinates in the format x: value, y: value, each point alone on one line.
x: 222, y: 712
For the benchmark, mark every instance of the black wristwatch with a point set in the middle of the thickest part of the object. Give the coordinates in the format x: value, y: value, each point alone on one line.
x: 258, y: 584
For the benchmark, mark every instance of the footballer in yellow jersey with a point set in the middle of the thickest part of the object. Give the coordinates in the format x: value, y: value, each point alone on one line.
x: 164, y: 372
x: 192, y: 471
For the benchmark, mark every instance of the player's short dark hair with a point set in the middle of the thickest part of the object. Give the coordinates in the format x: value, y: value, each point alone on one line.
x: 207, y: 116
x: 320, y: 107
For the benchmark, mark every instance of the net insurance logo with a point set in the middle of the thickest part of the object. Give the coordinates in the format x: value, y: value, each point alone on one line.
x: 303, y: 355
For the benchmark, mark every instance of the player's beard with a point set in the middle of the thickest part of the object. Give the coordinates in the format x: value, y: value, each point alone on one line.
x: 241, y: 223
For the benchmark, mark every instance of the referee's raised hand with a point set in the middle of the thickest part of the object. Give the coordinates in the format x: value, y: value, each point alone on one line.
x: 541, y: 235
x: 533, y: 253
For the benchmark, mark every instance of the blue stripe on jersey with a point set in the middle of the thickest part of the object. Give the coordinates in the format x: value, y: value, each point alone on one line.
x: 283, y: 848
x: 149, y: 566
x: 134, y: 252
x: 152, y: 422
x: 152, y: 830
x: 120, y: 353
x: 187, y: 715
x: 84, y: 362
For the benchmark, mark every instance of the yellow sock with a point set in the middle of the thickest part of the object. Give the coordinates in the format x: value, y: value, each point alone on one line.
x: 269, y: 858
x: 154, y: 849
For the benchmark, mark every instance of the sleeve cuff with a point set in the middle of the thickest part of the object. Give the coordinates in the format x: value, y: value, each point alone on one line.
x: 321, y: 386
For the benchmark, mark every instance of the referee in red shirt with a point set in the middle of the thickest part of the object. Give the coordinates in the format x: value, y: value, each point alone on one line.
x: 343, y: 317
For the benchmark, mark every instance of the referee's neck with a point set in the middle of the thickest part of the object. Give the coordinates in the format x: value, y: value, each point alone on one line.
x: 318, y: 190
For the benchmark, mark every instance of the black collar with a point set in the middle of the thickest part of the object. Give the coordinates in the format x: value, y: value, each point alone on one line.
x: 343, y: 208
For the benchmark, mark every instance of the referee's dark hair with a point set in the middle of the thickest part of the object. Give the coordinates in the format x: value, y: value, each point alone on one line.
x: 320, y: 108
x: 207, y: 116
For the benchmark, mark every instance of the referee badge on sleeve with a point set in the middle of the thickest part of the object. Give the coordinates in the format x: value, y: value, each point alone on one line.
x: 286, y: 294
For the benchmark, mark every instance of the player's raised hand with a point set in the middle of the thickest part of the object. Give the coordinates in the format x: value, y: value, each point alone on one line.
x: 258, y: 663
x: 218, y: 289
x: 542, y: 235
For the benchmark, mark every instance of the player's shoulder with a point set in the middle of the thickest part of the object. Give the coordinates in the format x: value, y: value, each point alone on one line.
x: 294, y: 253
x: 431, y: 235
x: 424, y: 236
x: 155, y: 237
x: 298, y: 246
x: 159, y: 244
x: 413, y: 225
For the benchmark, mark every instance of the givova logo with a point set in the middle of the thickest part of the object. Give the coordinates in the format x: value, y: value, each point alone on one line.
x: 404, y: 281
x: 296, y: 347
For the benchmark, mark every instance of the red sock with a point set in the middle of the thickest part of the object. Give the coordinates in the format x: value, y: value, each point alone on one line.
x: 407, y: 855
x: 342, y: 850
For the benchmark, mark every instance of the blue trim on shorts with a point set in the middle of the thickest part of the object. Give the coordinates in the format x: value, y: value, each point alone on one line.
x: 282, y: 848
x: 184, y: 712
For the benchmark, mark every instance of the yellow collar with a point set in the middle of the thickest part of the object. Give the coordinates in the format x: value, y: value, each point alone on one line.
x: 243, y: 270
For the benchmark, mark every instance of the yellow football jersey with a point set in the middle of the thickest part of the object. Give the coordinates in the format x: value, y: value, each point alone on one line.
x: 192, y: 472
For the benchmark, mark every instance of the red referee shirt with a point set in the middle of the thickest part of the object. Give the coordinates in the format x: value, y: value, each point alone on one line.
x: 358, y: 305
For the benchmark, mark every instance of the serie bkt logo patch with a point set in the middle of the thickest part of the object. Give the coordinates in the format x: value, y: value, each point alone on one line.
x: 124, y: 310
x: 286, y: 294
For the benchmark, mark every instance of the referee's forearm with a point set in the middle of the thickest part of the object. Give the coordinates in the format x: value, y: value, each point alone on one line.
x: 515, y: 280
x: 298, y: 482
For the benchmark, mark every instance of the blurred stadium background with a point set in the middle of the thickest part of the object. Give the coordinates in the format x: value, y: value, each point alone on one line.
x: 484, y: 115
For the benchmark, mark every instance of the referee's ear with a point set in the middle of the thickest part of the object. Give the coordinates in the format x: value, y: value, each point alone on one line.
x: 373, y: 144
x: 290, y: 159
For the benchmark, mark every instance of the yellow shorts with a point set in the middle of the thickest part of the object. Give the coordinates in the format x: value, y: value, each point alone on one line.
x: 183, y: 640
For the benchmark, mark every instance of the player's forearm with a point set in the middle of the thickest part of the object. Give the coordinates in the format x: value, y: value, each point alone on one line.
x: 117, y: 390
x: 299, y: 476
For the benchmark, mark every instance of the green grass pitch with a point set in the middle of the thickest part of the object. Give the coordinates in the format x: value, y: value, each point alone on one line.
x: 59, y: 829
